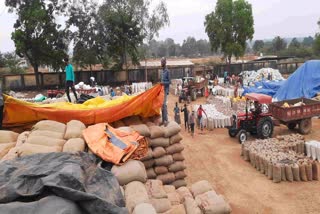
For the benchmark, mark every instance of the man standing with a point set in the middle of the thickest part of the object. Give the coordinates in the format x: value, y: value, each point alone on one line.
x: 1, y: 107
x: 186, y: 115
x: 69, y: 79
x: 192, y: 122
x: 165, y: 81
x: 176, y: 112
x: 199, y: 112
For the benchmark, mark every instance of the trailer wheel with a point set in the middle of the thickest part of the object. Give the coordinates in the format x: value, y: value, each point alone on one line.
x: 265, y: 128
x: 305, y: 126
x: 232, y: 133
x: 292, y: 126
x: 242, y: 136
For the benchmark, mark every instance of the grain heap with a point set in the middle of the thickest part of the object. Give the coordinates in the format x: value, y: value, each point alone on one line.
x: 281, y: 158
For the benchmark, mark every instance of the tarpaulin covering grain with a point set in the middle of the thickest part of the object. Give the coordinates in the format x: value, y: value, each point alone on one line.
x: 58, y: 183
x: 18, y: 113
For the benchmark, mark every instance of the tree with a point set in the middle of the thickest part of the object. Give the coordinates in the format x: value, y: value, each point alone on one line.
x: 229, y: 27
x: 294, y: 44
x: 258, y: 46
x: 11, y: 62
x: 170, y: 46
x: 316, y: 45
x: 203, y: 47
x: 308, y: 41
x: 278, y: 44
x: 36, y: 35
x: 189, y: 47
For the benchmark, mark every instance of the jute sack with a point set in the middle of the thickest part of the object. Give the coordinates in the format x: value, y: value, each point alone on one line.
x: 158, y: 152
x: 166, y: 178
x: 161, y: 170
x: 74, y: 145
x: 295, y: 172
x: 309, y: 171
x: 180, y: 175
x: 142, y: 129
x: 46, y: 133
x: 169, y: 188
x: 45, y: 141
x: 12, y: 154
x: 132, y: 120
x: 283, y: 173
x: 177, y: 209
x: 148, y: 163
x: 276, y: 173
x: 164, y: 161
x: 178, y: 157
x: 210, y: 202
x: 135, y: 193
x: 156, y: 132
x: 289, y: 174
x: 270, y: 172
x: 30, y: 149
x: 179, y: 183
x: 200, y: 187
x: 50, y: 125
x: 151, y: 173
x: 303, y: 173
x: 184, y: 193
x: 155, y: 189
x: 171, y: 129
x: 4, y: 148
x: 175, y: 148
x: 174, y: 198
x: 159, y: 142
x: 175, y: 138
x: 315, y: 171
x: 144, y: 208
x: 8, y: 136
x: 132, y: 170
x: 74, y: 129
x: 148, y: 155
x: 176, y: 166
x: 22, y: 138
x: 191, y: 206
x: 161, y: 205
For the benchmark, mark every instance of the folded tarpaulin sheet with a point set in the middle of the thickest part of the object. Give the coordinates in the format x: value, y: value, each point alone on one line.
x: 54, y: 183
x: 18, y: 113
x: 114, y: 145
x: 264, y: 87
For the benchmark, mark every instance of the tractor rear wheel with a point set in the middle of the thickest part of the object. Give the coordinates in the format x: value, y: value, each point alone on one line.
x: 292, y: 126
x: 232, y: 132
x: 242, y: 136
x: 305, y: 126
x: 265, y: 128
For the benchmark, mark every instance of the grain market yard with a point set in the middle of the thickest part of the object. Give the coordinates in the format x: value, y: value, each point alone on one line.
x: 214, y: 156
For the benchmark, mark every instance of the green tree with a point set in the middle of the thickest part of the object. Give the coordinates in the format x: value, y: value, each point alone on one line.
x: 189, y: 47
x: 170, y: 46
x: 258, y: 46
x: 278, y: 44
x: 316, y: 45
x: 229, y: 27
x: 36, y: 35
x: 2, y: 60
x: 308, y: 41
x: 203, y: 47
x: 294, y: 44
x: 11, y: 62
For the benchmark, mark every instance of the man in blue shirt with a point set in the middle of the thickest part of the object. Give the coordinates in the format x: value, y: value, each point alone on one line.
x: 165, y: 81
x: 69, y: 79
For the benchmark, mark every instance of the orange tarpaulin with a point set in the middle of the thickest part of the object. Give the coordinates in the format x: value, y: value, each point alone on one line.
x: 18, y: 113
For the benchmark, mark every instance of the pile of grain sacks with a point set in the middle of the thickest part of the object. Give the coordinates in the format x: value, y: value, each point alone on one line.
x: 250, y: 77
x: 149, y: 196
x: 45, y: 136
x: 140, y: 87
x: 281, y: 159
x: 227, y: 91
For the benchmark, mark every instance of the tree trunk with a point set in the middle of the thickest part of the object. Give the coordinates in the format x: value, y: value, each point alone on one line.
x: 36, y: 72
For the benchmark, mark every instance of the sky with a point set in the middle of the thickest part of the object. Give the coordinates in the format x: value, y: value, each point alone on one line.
x: 285, y: 18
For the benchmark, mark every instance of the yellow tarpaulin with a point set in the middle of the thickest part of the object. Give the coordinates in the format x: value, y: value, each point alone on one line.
x: 18, y: 113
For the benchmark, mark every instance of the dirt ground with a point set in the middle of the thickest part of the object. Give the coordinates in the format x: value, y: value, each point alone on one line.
x: 214, y: 156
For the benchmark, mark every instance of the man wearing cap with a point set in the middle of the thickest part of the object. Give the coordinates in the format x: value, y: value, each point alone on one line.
x: 165, y: 81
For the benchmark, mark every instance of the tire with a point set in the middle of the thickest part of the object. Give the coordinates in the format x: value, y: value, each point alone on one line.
x: 265, y: 128
x: 292, y: 126
x: 305, y: 126
x: 242, y: 136
x: 232, y: 133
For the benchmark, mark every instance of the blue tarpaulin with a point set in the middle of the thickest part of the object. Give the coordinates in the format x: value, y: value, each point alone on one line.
x: 264, y: 87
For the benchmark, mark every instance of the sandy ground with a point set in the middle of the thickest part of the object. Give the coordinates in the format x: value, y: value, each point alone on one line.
x: 214, y: 156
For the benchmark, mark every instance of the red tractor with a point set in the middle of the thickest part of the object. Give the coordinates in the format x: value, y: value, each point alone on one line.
x: 257, y: 120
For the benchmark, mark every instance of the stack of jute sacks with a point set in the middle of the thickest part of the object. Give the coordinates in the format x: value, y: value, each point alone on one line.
x: 46, y: 136
x: 281, y: 158
x: 150, y: 196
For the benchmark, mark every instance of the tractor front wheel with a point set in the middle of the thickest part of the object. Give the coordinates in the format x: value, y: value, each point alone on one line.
x: 232, y: 132
x: 305, y: 126
x: 265, y: 128
x: 242, y: 136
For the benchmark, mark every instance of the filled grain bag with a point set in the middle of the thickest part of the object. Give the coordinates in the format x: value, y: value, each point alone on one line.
x: 178, y: 156
x: 289, y: 174
x: 159, y: 142
x: 180, y: 175
x: 191, y: 206
x: 174, y: 198
x: 176, y: 166
x: 200, y: 187
x: 167, y: 178
x: 161, y: 205
x: 12, y: 154
x: 303, y: 173
x: 276, y: 173
x: 148, y: 155
x: 50, y: 125
x: 155, y: 189
x: 164, y: 160
x: 158, y: 152
x: 175, y: 138
x: 210, y: 202
x: 171, y: 129
x: 309, y: 172
x: 135, y: 193
x: 74, y: 145
x: 46, y: 133
x: 151, y: 173
x: 142, y: 129
x: 132, y: 170
x: 149, y: 163
x: 156, y: 132
x: 74, y: 129
x: 161, y: 170
x: 169, y: 188
x: 295, y: 172
x: 8, y: 136
x: 4, y: 148
x: 175, y: 148
x: 270, y: 172
x: 31, y: 149
x: 177, y: 209
x: 184, y: 193
x: 125, y: 129
x: 179, y: 183
x: 45, y: 141
x: 283, y: 173
x: 315, y: 171
x: 144, y: 208
x: 22, y: 138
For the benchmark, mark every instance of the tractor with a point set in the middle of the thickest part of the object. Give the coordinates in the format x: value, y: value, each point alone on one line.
x: 257, y: 120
